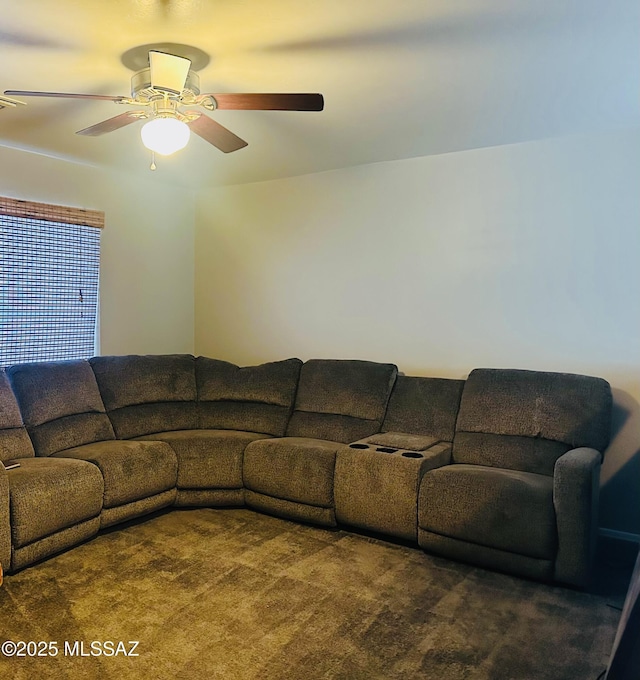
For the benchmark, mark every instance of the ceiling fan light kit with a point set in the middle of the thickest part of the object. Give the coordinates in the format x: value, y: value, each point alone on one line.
x: 165, y: 135
x: 166, y: 85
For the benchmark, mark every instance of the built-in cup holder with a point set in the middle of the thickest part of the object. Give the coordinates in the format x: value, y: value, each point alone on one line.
x: 386, y: 449
x: 358, y: 446
x: 412, y: 454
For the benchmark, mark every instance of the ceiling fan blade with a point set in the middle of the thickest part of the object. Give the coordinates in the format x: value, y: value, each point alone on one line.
x: 168, y: 72
x: 270, y: 102
x: 110, y: 124
x: 216, y: 134
x: 20, y: 39
x: 64, y: 95
x: 5, y: 101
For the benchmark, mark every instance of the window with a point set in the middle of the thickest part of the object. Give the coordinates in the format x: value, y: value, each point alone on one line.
x: 49, y: 267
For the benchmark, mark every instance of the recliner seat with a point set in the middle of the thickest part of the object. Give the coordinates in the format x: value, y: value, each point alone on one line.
x: 66, y: 419
x: 53, y: 504
x: 521, y: 491
x: 336, y: 402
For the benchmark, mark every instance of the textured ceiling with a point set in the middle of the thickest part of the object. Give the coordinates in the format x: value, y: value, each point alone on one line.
x: 401, y: 78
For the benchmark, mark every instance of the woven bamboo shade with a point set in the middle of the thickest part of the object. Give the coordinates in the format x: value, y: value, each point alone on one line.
x: 51, y: 213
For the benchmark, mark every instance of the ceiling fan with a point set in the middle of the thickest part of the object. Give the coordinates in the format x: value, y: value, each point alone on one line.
x: 5, y: 102
x: 163, y: 93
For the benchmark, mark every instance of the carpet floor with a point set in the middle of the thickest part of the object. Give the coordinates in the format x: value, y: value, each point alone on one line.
x: 237, y: 595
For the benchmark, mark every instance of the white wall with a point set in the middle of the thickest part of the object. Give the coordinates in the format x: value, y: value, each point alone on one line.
x: 521, y: 256
x: 146, y: 278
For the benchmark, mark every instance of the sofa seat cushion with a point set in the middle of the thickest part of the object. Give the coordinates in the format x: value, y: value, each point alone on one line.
x: 47, y: 495
x: 504, y: 509
x: 294, y: 469
x: 131, y: 470
x: 208, y: 459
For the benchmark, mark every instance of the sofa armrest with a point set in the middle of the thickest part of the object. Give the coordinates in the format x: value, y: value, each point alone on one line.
x: 436, y: 456
x: 5, y: 522
x: 575, y: 497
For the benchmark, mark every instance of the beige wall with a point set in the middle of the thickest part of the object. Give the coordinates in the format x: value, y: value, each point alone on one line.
x: 523, y: 255
x: 520, y: 256
x: 146, y: 278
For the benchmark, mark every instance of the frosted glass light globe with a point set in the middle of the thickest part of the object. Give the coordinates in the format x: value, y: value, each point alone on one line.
x: 165, y: 135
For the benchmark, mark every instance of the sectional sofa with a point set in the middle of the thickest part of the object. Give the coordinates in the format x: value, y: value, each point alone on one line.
x: 499, y: 470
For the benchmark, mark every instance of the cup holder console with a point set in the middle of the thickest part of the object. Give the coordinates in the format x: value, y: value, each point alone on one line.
x: 387, y: 449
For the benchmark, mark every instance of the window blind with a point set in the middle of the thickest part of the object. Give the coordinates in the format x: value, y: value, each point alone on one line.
x: 49, y: 272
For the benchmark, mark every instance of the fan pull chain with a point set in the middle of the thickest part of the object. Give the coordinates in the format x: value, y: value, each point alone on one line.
x: 153, y: 165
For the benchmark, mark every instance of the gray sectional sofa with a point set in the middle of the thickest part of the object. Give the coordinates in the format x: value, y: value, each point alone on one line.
x: 499, y: 470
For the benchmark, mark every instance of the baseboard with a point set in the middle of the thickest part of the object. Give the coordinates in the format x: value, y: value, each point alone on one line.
x: 619, y: 535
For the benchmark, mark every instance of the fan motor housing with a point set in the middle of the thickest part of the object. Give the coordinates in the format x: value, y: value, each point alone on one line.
x: 141, y: 84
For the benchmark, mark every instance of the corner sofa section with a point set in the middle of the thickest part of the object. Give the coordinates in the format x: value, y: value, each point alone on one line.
x: 66, y: 420
x: 206, y: 410
x: 500, y: 470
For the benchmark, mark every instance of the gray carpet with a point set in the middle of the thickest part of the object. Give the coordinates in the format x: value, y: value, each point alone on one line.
x: 237, y: 595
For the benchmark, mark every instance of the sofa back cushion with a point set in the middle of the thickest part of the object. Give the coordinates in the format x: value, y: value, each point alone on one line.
x: 14, y: 440
x: 60, y: 404
x: 525, y: 420
x: 341, y: 400
x: 252, y: 398
x: 148, y: 394
x: 424, y: 406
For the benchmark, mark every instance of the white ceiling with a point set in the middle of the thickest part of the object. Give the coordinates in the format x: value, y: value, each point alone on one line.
x: 401, y: 78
